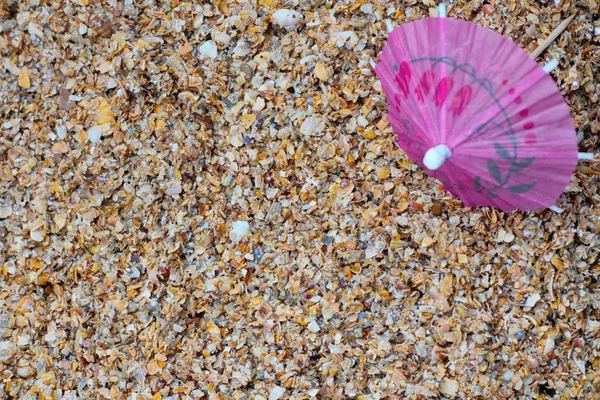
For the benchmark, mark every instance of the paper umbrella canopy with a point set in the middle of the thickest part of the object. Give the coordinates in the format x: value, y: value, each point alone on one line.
x: 478, y: 113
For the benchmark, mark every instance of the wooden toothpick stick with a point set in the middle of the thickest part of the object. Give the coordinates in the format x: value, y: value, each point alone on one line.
x: 544, y: 45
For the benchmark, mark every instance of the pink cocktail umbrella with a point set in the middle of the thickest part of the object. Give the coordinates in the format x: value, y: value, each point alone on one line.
x: 478, y: 113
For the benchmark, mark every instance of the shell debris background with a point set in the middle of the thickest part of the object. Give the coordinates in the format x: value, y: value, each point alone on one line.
x: 359, y: 277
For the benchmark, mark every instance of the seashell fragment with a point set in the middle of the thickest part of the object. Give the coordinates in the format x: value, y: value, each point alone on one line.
x: 242, y: 49
x: 262, y: 60
x: 175, y: 63
x: 549, y: 346
x: 94, y: 134
x: 246, y: 18
x: 36, y: 30
x: 237, y: 140
x: 173, y: 188
x: 5, y: 212
x: 221, y: 38
x: 313, y: 326
x: 23, y: 79
x: 102, y: 26
x: 198, y: 20
x: 345, y: 37
x: 310, y: 126
x: 532, y: 300
x: 488, y: 9
x: 276, y: 393
x: 322, y: 72
x: 286, y: 18
x: 446, y: 287
x: 449, y: 387
x: 239, y: 230
x: 25, y: 371
x: 247, y: 70
x: 82, y: 29
x: 209, y: 49
x: 232, y: 21
x: 104, y: 114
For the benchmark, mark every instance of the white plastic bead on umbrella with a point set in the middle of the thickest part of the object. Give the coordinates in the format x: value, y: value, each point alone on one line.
x: 518, y: 147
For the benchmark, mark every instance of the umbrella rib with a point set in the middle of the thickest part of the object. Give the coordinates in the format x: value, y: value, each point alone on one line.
x: 586, y: 156
x: 550, y: 65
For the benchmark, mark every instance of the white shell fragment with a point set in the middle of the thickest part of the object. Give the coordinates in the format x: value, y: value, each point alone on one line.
x: 239, y: 230
x: 532, y: 300
x: 341, y: 38
x: 276, y: 393
x: 242, y: 48
x: 37, y: 236
x: 209, y: 49
x: 311, y: 126
x: 262, y: 59
x: 173, y: 188
x: 245, y: 18
x: 5, y: 212
x: 221, y: 37
x: 313, y: 327
x: 94, y: 134
x: 35, y: 30
x: 286, y: 18
x: 449, y: 387
x: 25, y: 372
x: 549, y: 346
x: 61, y: 132
x: 237, y: 140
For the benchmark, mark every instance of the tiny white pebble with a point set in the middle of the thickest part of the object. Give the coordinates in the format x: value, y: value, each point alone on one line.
x: 532, y: 300
x: 239, y: 230
x: 313, y: 327
x: 276, y: 393
x: 61, y: 132
x: 310, y: 126
x: 209, y: 49
x: 549, y: 346
x: 362, y: 121
x: 449, y: 387
x: 237, y: 140
x: 5, y: 212
x: 25, y: 372
x: 94, y: 134
x: 134, y: 273
x: 371, y: 252
x: 173, y: 188
x: 367, y: 8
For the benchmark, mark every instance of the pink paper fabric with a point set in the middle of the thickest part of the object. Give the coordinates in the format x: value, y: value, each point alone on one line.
x: 456, y: 83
